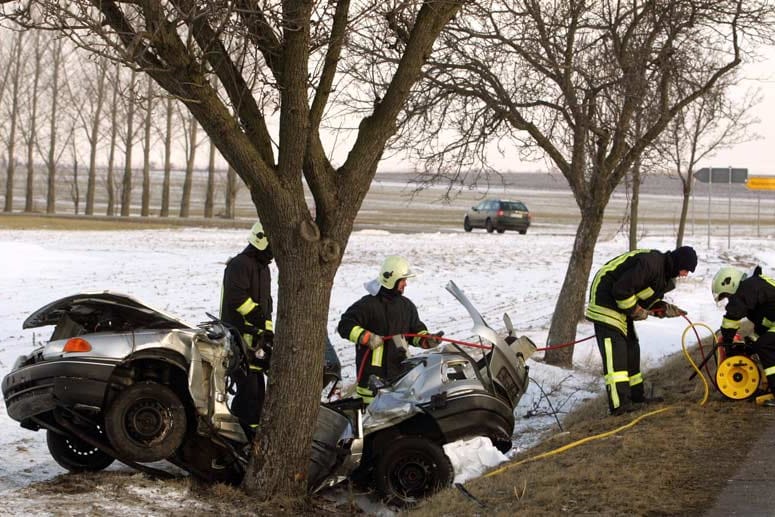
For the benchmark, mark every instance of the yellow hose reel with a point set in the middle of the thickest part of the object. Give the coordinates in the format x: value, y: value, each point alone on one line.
x: 738, y: 377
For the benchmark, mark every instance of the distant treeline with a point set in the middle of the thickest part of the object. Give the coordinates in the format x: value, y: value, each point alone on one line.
x: 90, y: 136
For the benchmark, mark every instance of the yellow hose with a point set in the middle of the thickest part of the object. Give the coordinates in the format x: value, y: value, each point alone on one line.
x: 691, y: 361
x: 626, y: 426
x: 578, y: 442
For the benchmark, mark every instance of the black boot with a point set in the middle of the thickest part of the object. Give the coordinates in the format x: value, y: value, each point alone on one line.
x: 625, y: 402
x: 638, y: 396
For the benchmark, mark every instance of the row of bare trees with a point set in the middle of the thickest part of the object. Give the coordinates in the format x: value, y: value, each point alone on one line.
x: 66, y: 118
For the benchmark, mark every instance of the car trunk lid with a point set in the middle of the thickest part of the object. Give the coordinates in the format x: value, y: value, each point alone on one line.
x: 130, y: 308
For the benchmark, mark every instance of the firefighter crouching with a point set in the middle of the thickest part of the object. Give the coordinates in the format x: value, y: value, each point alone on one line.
x: 753, y: 297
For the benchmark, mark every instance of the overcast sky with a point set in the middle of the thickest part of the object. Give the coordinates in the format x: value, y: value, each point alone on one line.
x: 757, y: 156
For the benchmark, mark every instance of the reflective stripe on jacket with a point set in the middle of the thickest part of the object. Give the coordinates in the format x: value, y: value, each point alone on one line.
x: 636, y: 277
x: 386, y: 314
x: 755, y: 300
x: 246, y: 297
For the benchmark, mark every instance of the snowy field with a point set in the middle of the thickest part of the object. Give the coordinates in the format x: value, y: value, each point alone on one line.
x: 180, y: 270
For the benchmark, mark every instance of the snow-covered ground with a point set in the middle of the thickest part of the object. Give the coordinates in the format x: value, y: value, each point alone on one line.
x: 180, y: 270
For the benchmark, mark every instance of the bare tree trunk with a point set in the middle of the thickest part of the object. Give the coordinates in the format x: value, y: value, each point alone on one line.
x: 687, y: 194
x: 185, y: 202
x: 231, y: 193
x: 113, y: 135
x: 296, y: 317
x: 571, y: 298
x: 8, y: 207
x: 126, y: 184
x: 165, y: 188
x: 146, y: 197
x: 94, y: 135
x: 634, y: 202
x: 76, y: 191
x: 32, y: 134
x: 51, y: 162
x: 210, y: 192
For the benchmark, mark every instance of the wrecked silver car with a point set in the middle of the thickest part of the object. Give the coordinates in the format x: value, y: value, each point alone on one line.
x: 121, y: 380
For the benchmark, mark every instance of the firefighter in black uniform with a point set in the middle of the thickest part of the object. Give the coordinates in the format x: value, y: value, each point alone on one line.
x: 753, y: 297
x: 626, y: 289
x: 385, y: 311
x: 246, y: 303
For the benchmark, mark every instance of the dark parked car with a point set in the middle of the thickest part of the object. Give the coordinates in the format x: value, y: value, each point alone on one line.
x: 499, y: 215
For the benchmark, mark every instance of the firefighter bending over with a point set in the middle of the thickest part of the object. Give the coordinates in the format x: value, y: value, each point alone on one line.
x: 629, y: 288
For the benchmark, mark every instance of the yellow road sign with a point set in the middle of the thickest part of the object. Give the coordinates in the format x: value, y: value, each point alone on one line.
x: 760, y: 182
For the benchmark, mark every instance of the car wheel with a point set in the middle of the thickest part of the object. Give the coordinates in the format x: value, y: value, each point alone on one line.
x: 501, y: 230
x: 146, y: 422
x: 411, y: 468
x: 523, y: 232
x: 74, y: 454
x: 467, y: 224
x: 488, y: 225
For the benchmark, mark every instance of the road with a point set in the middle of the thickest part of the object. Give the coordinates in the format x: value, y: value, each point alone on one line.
x: 395, y: 204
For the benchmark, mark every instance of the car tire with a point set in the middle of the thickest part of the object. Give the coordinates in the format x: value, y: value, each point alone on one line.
x: 488, y: 226
x: 411, y: 468
x: 500, y: 230
x: 467, y: 224
x: 146, y: 422
x: 523, y: 232
x: 75, y: 455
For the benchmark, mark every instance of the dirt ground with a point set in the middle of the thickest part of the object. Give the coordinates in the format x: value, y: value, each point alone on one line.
x: 671, y: 462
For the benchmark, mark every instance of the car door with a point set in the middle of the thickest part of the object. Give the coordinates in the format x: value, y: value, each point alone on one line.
x: 478, y: 214
x: 490, y: 211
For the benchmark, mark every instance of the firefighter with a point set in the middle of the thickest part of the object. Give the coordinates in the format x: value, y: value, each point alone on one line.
x: 626, y: 289
x: 246, y: 304
x: 385, y: 311
x: 753, y: 297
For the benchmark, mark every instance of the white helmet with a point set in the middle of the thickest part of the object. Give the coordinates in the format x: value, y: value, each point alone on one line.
x: 257, y: 236
x: 726, y: 281
x: 393, y: 269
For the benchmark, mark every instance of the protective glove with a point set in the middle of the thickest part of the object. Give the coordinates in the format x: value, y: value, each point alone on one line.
x: 727, y: 336
x: 267, y: 338
x: 673, y: 311
x: 662, y: 309
x: 371, y: 340
x: 431, y: 340
x: 638, y: 313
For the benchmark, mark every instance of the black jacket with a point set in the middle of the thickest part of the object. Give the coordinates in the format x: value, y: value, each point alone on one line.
x: 755, y: 300
x: 386, y: 314
x: 247, y: 277
x: 637, y: 277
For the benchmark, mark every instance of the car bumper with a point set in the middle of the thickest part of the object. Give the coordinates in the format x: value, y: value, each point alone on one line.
x: 512, y: 223
x: 38, y: 388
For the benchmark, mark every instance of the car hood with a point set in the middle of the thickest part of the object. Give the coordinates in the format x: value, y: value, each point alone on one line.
x: 130, y: 308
